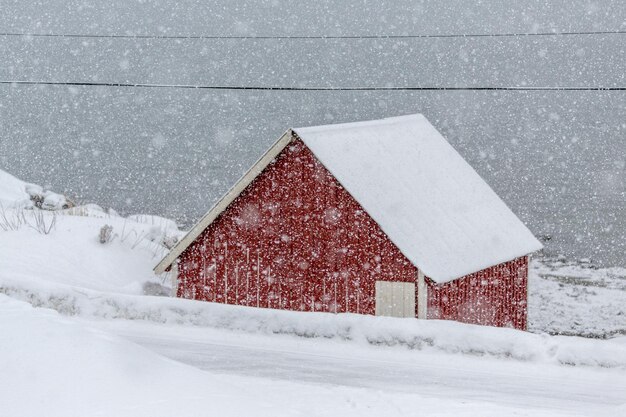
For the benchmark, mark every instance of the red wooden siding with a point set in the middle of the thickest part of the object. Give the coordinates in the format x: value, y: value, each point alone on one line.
x: 295, y: 240
x: 495, y: 296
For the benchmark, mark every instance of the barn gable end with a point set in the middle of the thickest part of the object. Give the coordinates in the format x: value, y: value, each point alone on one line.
x: 293, y: 239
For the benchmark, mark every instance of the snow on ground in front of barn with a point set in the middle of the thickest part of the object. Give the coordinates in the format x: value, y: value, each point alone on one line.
x: 101, y: 343
x: 53, y: 366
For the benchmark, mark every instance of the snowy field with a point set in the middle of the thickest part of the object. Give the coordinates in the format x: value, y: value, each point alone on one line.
x: 577, y: 299
x: 86, y: 331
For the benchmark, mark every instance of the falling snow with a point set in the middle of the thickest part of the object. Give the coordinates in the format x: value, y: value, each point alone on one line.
x: 556, y: 158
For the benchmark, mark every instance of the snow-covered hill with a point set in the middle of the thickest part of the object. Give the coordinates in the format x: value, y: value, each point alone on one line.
x: 88, y: 273
x: 12, y: 190
x: 63, y: 246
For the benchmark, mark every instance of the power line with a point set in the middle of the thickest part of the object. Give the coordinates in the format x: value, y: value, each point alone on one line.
x: 305, y: 37
x: 288, y: 88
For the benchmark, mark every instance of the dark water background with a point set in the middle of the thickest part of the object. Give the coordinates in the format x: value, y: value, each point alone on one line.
x: 557, y: 158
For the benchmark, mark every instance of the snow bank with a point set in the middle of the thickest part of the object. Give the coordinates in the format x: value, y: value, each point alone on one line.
x: 52, y: 366
x: 431, y: 335
x: 12, y: 191
x: 62, y: 246
x: 16, y: 193
x: 46, y: 199
x: 71, y: 254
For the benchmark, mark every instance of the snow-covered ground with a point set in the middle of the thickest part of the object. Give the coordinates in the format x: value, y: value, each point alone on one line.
x: 101, y: 342
x: 527, y: 387
x: 577, y: 299
x: 53, y: 366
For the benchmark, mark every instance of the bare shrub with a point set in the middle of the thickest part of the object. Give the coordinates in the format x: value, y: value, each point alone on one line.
x: 80, y: 211
x: 11, y: 220
x: 42, y: 222
x: 153, y: 288
x: 169, y: 241
x: 138, y: 240
x: 106, y: 234
x: 126, y: 234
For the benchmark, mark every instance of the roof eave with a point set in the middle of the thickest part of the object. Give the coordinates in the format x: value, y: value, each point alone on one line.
x: 447, y: 279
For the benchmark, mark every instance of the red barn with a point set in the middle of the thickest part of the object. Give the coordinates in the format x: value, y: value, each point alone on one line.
x: 381, y: 217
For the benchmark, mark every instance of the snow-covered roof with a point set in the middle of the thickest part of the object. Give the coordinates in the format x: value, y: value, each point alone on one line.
x: 426, y: 198
x: 430, y: 203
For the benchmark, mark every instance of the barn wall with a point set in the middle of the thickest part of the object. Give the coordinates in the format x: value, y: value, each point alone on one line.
x: 293, y: 240
x: 495, y: 296
x: 296, y: 240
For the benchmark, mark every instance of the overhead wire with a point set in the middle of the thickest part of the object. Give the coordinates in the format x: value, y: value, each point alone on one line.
x: 311, y: 88
x: 307, y: 37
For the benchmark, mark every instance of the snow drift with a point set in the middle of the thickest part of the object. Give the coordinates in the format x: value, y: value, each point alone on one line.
x: 12, y: 190
x: 53, y: 366
x: 431, y: 335
x: 17, y: 193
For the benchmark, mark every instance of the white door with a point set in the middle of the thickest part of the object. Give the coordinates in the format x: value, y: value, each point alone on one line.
x: 395, y: 299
